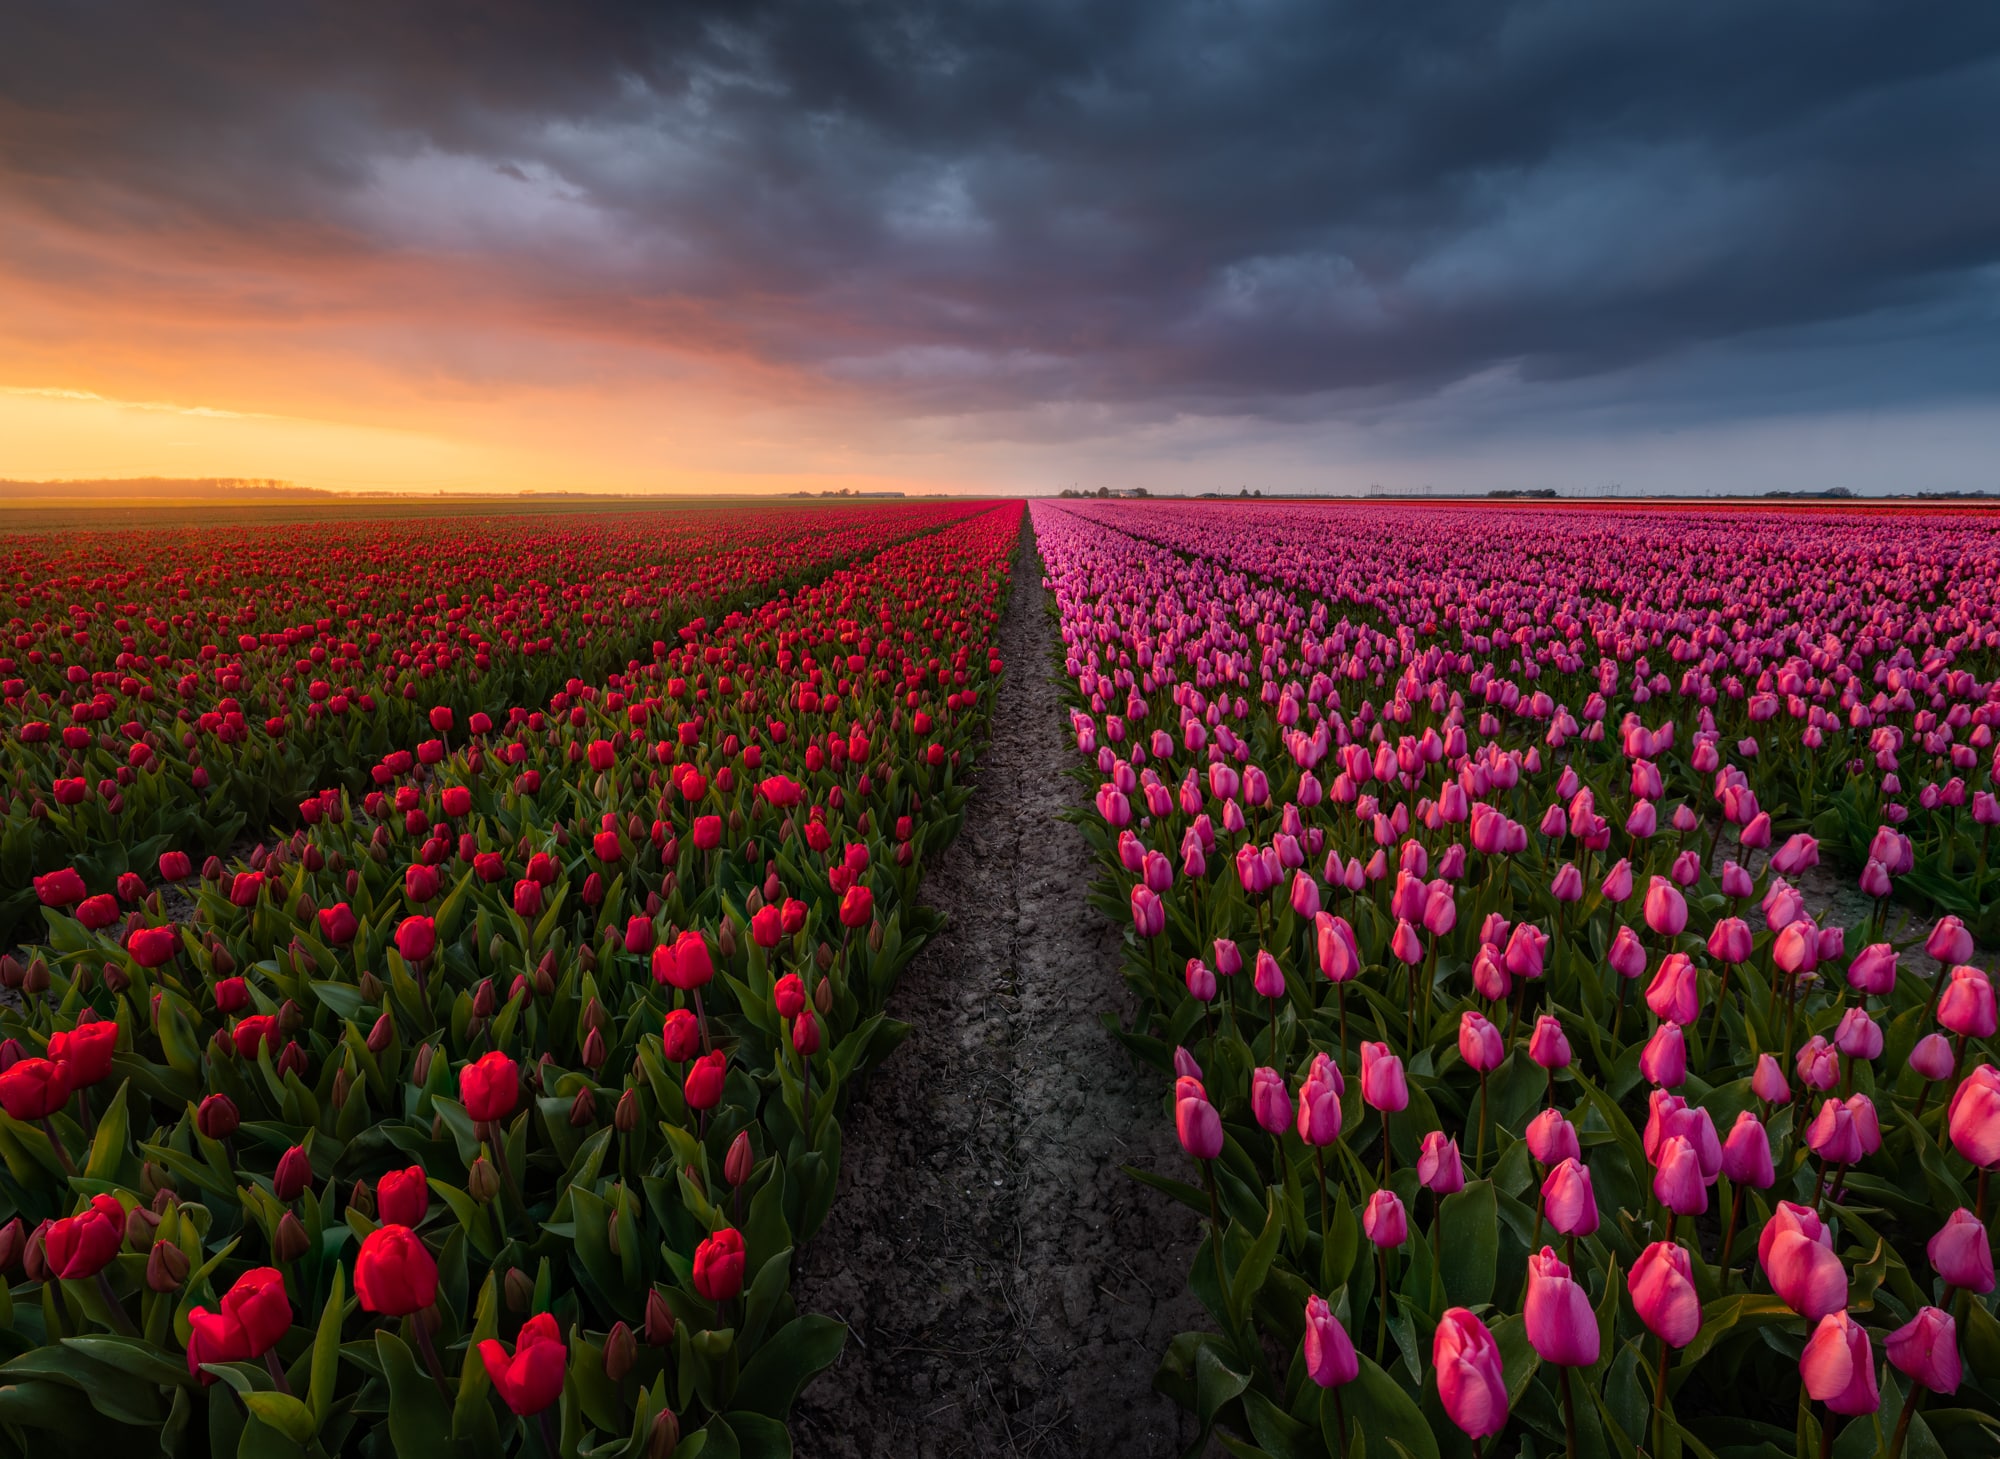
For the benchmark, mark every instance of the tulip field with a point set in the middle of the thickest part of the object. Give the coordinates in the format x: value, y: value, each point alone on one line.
x: 443, y: 953
x: 481, y: 1107
x: 1474, y: 864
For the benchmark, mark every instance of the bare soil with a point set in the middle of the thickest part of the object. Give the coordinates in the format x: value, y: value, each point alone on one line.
x: 1008, y: 1289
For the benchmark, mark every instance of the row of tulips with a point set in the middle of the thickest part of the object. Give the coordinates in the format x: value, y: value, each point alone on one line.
x: 483, y: 1113
x: 169, y: 689
x: 1464, y: 1191
x: 1844, y: 656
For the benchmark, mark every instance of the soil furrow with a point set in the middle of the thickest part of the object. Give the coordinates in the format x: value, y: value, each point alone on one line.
x: 1009, y: 1289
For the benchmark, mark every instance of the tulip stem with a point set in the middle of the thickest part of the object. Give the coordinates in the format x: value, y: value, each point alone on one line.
x: 1826, y: 1437
x: 1479, y: 1155
x: 806, y: 1092
x: 120, y: 1319
x: 1618, y: 1016
x: 701, y: 1019
x: 548, y: 1429
x: 1215, y: 1227
x: 62, y: 1150
x: 277, y: 1372
x: 1325, y: 1219
x: 420, y: 1322
x: 1729, y: 1235
x: 1569, y: 1409
x: 1911, y: 1404
x: 1660, y: 1401
x: 1340, y: 1421
x: 1340, y: 995
x: 1382, y: 1325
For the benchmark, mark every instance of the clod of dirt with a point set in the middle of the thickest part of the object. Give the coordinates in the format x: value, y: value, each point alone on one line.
x: 1009, y: 1289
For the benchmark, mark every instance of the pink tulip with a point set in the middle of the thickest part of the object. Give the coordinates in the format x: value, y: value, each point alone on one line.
x: 1665, y: 908
x: 1873, y: 970
x: 1406, y: 944
x: 1382, y: 1082
x: 1925, y: 1350
x: 1818, y: 1063
x: 1838, y: 1366
x: 1199, y: 1127
x: 1974, y: 1117
x: 1338, y: 958
x: 1796, y: 1251
x: 1200, y: 981
x: 1549, y: 1046
x: 1269, y: 978
x: 1662, y: 1289
x: 1626, y: 955
x: 1737, y: 884
x: 1319, y: 1103
x: 1962, y: 1253
x: 1768, y: 1082
x: 1228, y: 961
x: 1674, y: 992
x: 1329, y: 1353
x: 1270, y: 1101
x: 1832, y: 1135
x: 1858, y: 1036
x: 1729, y: 941
x: 1439, y: 1168
x: 1617, y: 884
x: 1568, y: 884
x: 1677, y: 1178
x: 1949, y: 942
x: 1932, y: 1057
x: 1552, y: 1138
x: 1527, y: 951
x: 1966, y: 1006
x: 1663, y: 1061
x: 1568, y: 1200
x: 1562, y: 1328
x: 1383, y: 1220
x: 1472, y: 1384
x: 1479, y: 1042
x: 1746, y: 1154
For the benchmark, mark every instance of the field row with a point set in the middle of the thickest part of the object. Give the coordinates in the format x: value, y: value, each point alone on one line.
x: 486, y: 1109
x: 1470, y: 866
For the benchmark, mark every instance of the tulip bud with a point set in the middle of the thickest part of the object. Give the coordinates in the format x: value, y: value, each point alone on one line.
x: 484, y: 999
x: 583, y: 1109
x: 823, y: 958
x: 361, y: 1199
x: 519, y: 1289
x: 420, y: 1070
x: 594, y: 1052
x: 371, y: 987
x: 664, y: 1436
x: 382, y: 1034
x: 141, y: 1226
x: 36, y: 979
x: 343, y: 1085
x: 34, y: 1261
x: 13, y: 1240
x: 625, y: 1117
x: 823, y: 996
x: 658, y: 1329
x: 725, y: 937
x: 216, y: 1117
x: 482, y: 1182
x: 738, y: 1163
x: 611, y: 1225
x: 10, y: 971
x: 291, y: 1242
x: 621, y: 1351
x: 166, y: 1267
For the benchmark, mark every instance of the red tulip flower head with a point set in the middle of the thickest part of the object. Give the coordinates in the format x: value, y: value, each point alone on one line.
x: 530, y: 1378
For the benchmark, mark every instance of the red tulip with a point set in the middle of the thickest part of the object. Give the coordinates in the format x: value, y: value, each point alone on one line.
x: 402, y: 1197
x: 681, y: 1035
x: 34, y: 1089
x: 857, y: 907
x: 703, y: 1085
x: 530, y: 1378
x: 85, y: 1052
x: 718, y: 1265
x: 490, y: 1086
x: 416, y: 938
x: 82, y: 1245
x: 394, y: 1274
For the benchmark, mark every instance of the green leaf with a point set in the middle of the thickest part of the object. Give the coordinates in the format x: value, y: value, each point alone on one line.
x: 1383, y: 1410
x: 108, y: 1150
x: 1470, y: 1257
x: 806, y: 1345
x: 326, y: 1348
x: 284, y: 1413
x: 419, y: 1421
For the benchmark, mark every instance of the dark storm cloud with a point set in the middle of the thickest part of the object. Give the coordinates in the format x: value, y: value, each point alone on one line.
x: 1175, y: 204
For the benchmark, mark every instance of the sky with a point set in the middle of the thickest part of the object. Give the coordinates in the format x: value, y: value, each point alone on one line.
x: 1189, y: 245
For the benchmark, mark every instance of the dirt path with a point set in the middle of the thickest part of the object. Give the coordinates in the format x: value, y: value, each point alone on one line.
x: 1010, y: 1291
